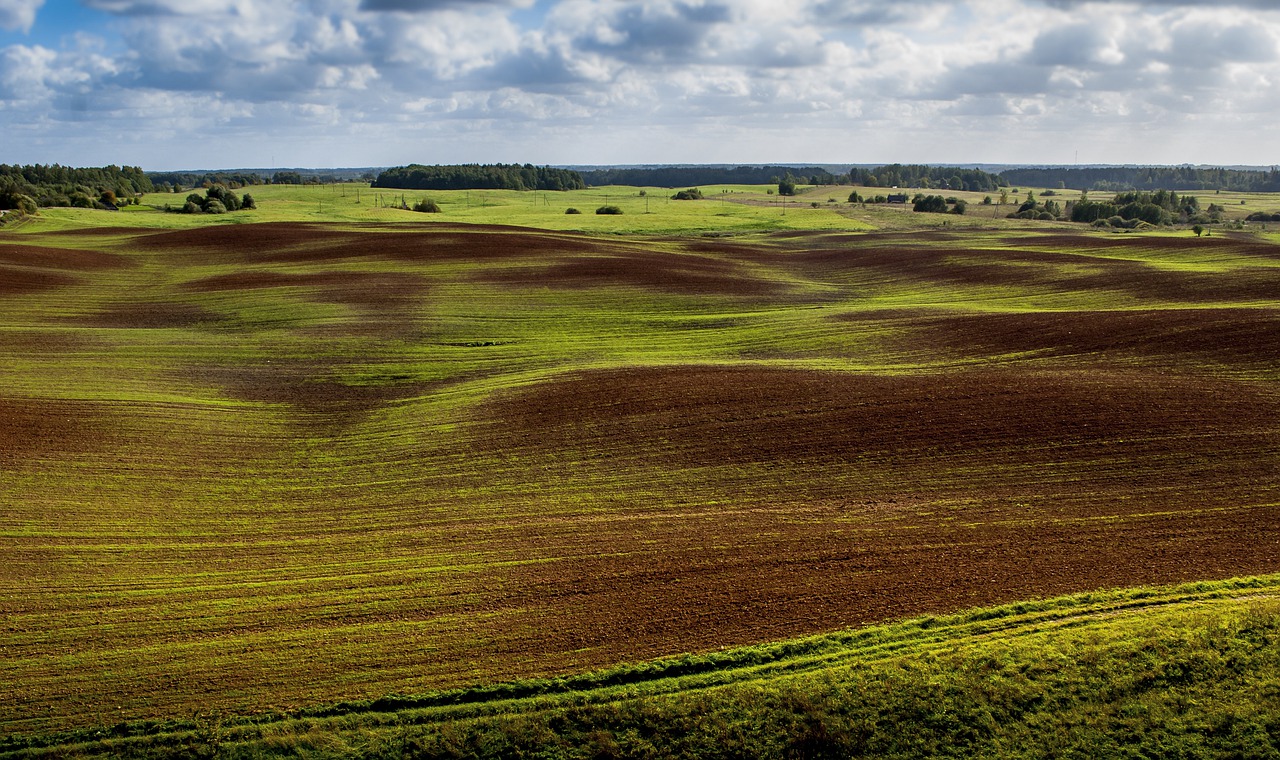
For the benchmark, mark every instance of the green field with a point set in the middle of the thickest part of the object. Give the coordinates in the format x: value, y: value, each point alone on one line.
x: 325, y: 452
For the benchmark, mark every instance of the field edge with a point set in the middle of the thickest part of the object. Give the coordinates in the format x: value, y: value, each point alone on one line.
x: 764, y: 666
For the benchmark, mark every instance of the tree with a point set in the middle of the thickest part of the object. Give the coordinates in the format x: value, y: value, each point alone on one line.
x: 933, y: 204
x: 854, y: 197
x: 1198, y: 229
x: 786, y: 186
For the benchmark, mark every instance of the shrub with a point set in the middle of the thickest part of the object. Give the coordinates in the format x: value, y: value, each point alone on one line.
x: 960, y: 208
x: 572, y: 211
x: 215, y: 207
x: 932, y: 204
x: 427, y: 206
x: 692, y: 194
x: 610, y: 210
x: 248, y: 202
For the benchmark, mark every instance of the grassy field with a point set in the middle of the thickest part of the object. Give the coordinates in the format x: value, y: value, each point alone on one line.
x: 250, y: 468
x: 1187, y: 672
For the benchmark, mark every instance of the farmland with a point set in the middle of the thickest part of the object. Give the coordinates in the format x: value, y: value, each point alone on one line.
x: 323, y: 453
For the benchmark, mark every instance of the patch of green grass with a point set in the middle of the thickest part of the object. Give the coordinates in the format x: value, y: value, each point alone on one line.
x: 1186, y: 670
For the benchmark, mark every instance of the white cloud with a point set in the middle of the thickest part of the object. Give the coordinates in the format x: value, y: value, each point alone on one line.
x: 18, y: 14
x: 845, y: 76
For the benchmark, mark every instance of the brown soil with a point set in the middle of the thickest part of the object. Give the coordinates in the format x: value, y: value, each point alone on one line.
x: 357, y: 288
x: 671, y: 272
x: 150, y: 316
x: 36, y: 431
x: 889, y: 496
x: 712, y: 415
x: 65, y: 259
x: 1234, y: 336
x: 17, y: 281
x: 309, y: 387
x: 29, y: 268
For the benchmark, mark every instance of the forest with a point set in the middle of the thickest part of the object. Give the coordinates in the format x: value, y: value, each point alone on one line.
x: 479, y: 177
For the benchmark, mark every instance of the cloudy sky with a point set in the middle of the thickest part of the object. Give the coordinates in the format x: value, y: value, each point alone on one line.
x: 168, y: 84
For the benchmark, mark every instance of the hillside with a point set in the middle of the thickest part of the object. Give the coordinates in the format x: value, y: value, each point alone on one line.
x: 252, y: 468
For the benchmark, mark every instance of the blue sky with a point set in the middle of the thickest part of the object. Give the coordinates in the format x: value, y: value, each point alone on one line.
x: 170, y: 84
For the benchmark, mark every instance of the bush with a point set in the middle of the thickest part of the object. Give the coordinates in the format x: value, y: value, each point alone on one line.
x: 248, y: 202
x: 610, y: 210
x: 427, y: 206
x: 572, y: 211
x: 960, y: 208
x: 215, y: 207
x: 932, y: 204
x: 854, y: 197
x: 692, y: 194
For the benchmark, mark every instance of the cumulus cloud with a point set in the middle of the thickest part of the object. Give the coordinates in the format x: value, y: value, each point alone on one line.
x: 18, y: 14
x: 884, y: 72
x: 422, y: 6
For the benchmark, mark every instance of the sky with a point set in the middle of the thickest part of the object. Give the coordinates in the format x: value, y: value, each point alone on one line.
x: 189, y: 84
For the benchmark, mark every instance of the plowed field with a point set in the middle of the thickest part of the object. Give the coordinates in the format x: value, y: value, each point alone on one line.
x: 273, y: 465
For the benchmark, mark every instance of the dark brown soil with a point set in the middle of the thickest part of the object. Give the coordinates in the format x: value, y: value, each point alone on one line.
x: 873, y: 497
x: 712, y: 415
x: 18, y: 281
x: 150, y: 316
x: 65, y: 259
x: 353, y: 287
x: 1229, y: 336
x: 670, y: 272
x: 39, y: 431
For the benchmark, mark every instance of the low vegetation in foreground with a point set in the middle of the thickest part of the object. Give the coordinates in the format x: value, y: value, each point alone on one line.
x: 1188, y: 672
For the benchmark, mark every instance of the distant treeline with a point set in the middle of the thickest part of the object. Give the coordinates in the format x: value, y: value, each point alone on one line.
x: 479, y: 177
x: 28, y: 187
x: 1120, y: 178
x: 690, y: 176
x: 182, y: 180
x: 179, y: 181
x: 892, y: 175
x: 919, y: 175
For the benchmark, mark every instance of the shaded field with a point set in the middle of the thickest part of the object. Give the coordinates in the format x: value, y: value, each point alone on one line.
x: 258, y: 467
